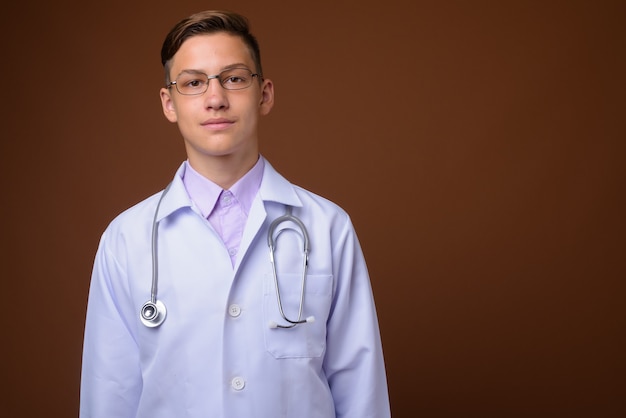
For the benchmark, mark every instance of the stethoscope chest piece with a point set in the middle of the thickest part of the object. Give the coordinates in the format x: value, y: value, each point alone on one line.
x: 153, y: 313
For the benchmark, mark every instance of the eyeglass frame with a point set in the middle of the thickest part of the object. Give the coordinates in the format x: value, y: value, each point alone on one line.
x: 211, y: 77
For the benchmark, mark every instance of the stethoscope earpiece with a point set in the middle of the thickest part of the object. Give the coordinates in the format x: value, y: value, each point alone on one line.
x: 153, y: 313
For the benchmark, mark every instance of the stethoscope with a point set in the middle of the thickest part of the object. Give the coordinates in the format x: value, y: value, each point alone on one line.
x: 271, y: 243
x: 153, y: 312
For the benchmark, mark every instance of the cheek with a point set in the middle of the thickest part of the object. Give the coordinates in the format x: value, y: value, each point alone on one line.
x: 184, y: 112
x: 252, y: 110
x: 252, y: 119
x: 185, y: 126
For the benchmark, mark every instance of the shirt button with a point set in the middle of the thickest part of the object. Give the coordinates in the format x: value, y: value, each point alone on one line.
x: 227, y: 199
x: 232, y: 252
x: 234, y: 310
x: 238, y: 383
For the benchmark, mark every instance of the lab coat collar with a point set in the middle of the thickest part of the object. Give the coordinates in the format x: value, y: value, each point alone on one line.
x: 176, y: 196
x: 274, y: 188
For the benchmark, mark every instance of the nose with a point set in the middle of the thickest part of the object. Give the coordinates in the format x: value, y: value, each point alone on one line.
x: 215, y: 96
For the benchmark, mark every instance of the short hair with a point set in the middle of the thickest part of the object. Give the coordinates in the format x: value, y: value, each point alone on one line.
x: 208, y: 22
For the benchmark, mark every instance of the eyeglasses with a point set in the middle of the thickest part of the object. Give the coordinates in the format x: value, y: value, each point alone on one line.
x: 192, y: 83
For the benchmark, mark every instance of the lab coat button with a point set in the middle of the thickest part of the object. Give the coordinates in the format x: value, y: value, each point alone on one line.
x: 234, y: 310
x: 238, y: 383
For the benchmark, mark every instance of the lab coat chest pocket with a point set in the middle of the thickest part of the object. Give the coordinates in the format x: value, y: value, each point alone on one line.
x: 304, y: 340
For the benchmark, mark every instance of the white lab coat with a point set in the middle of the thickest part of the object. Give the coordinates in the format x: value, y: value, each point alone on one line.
x: 215, y: 355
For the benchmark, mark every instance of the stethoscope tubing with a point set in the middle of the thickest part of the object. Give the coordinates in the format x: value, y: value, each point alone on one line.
x: 271, y: 242
x: 153, y: 312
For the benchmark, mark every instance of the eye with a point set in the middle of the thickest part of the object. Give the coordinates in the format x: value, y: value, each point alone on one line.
x: 192, y: 83
x: 235, y: 78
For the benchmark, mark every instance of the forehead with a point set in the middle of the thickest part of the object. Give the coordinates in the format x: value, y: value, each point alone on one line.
x: 211, y: 53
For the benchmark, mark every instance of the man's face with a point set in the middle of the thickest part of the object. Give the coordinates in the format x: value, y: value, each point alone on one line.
x: 219, y: 124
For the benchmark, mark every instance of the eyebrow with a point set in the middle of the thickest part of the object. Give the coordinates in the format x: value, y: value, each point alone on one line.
x: 225, y: 68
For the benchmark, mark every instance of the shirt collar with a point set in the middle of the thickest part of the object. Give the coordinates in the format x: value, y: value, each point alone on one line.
x: 204, y: 193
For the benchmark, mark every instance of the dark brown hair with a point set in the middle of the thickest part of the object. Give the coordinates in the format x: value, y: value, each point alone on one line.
x: 207, y: 22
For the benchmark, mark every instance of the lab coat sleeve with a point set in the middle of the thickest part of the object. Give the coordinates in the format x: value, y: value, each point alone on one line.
x: 354, y: 363
x: 111, y: 380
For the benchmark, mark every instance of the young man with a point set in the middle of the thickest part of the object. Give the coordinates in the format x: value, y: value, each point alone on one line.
x: 238, y: 320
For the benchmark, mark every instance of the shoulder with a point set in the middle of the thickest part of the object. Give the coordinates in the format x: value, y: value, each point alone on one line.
x: 276, y: 188
x: 142, y: 214
x: 138, y: 217
x: 315, y: 202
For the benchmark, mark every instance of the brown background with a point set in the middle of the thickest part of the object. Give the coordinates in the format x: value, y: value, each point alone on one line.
x: 478, y: 146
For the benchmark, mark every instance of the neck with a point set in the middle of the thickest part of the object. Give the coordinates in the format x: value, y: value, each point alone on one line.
x: 224, y: 170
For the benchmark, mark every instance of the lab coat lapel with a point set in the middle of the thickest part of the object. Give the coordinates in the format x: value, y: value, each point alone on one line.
x: 274, y: 188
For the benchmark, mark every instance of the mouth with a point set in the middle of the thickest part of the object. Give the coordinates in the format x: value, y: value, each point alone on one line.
x: 217, y: 123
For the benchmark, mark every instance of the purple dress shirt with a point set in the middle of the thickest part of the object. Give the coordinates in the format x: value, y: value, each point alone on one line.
x: 226, y: 210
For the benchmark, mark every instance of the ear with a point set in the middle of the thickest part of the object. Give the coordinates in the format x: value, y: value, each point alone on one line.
x: 267, y: 97
x: 169, y: 109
